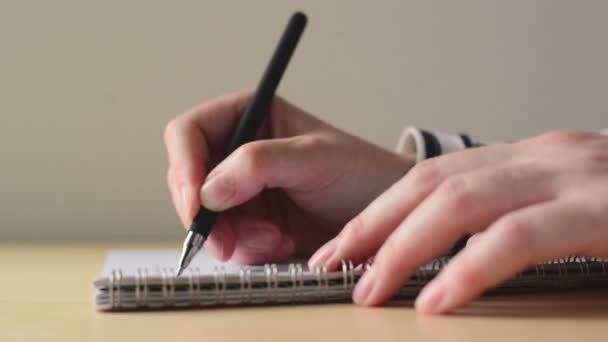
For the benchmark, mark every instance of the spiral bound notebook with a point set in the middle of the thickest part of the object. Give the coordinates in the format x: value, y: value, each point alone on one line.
x: 144, y: 280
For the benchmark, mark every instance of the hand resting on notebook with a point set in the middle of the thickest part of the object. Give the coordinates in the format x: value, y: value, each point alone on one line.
x: 306, y: 181
x: 526, y: 202
x: 285, y: 194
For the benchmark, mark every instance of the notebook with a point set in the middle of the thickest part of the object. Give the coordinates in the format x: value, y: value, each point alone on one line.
x: 145, y: 280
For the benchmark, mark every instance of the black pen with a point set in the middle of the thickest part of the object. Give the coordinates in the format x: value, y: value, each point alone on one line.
x: 247, y: 128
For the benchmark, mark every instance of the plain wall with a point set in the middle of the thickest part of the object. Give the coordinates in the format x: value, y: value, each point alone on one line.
x: 86, y: 88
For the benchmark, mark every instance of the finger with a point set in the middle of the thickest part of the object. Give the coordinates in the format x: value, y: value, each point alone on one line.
x: 221, y: 242
x: 290, y: 163
x: 240, y: 234
x: 176, y: 197
x: 364, y: 234
x: 259, y: 241
x: 463, y: 204
x: 185, y: 174
x: 474, y: 239
x: 322, y: 253
x: 190, y: 140
x: 520, y: 239
x: 215, y: 119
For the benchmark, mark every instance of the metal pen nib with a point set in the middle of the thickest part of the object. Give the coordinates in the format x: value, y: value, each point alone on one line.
x: 193, y: 243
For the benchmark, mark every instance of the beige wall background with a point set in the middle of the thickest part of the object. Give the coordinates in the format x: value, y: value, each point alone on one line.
x: 86, y: 88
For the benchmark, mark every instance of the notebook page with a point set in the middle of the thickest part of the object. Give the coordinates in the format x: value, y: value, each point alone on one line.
x: 129, y: 261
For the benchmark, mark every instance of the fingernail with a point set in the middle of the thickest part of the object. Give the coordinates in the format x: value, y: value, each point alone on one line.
x: 364, y: 287
x: 320, y: 257
x: 212, y: 174
x: 217, y: 192
x: 431, y: 299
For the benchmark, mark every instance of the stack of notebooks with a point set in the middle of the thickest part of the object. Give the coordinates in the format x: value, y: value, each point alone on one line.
x: 145, y: 280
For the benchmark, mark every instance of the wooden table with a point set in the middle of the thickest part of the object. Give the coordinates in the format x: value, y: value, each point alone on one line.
x: 46, y: 295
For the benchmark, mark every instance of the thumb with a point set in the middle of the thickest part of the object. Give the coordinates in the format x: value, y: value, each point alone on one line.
x: 287, y: 163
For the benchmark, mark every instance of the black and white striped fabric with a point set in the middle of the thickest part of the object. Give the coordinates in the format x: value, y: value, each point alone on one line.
x: 426, y: 144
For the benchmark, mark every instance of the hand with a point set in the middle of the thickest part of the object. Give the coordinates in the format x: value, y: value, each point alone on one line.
x: 284, y: 194
x: 542, y: 198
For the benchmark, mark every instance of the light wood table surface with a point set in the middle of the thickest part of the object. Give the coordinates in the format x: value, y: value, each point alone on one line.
x: 46, y: 294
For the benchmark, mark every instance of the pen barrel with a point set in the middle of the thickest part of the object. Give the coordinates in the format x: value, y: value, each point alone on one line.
x: 259, y: 105
x: 204, y: 220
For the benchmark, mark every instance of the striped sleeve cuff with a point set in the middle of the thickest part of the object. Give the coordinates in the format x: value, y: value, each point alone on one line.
x: 426, y: 144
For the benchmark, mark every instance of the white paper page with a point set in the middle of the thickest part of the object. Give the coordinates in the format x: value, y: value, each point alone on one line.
x: 156, y: 260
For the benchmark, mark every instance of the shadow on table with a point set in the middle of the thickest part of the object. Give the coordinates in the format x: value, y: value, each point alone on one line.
x: 570, y: 305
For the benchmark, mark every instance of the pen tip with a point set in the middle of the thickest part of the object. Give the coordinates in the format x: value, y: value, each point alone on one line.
x: 179, y: 271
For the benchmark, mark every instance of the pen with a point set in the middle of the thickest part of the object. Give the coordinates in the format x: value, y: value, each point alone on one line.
x: 251, y: 119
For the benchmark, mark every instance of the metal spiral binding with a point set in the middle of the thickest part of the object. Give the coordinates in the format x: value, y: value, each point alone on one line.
x: 542, y: 269
x: 295, y: 273
x: 297, y: 281
x: 561, y: 272
x: 219, y: 280
x: 348, y: 277
x: 603, y: 263
x: 119, y: 290
x: 138, y: 288
x: 275, y: 280
x: 351, y: 274
x: 347, y: 274
x: 322, y: 280
x: 168, y: 286
x: 294, y: 290
x: 421, y: 274
x: 194, y: 287
x: 115, y: 289
x: 272, y: 282
x: 300, y: 277
x: 191, y: 297
x: 246, y: 285
x: 111, y: 287
x: 584, y: 266
x: 141, y: 288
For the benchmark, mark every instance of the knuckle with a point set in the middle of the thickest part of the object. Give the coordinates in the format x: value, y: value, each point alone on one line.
x: 234, y: 102
x: 516, y: 232
x: 391, y: 249
x: 310, y: 142
x: 468, y: 275
x: 425, y: 172
x: 594, y: 157
x: 596, y: 211
x: 279, y: 105
x: 564, y: 136
x: 255, y: 155
x: 355, y: 230
x: 241, y: 98
x: 455, y: 192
